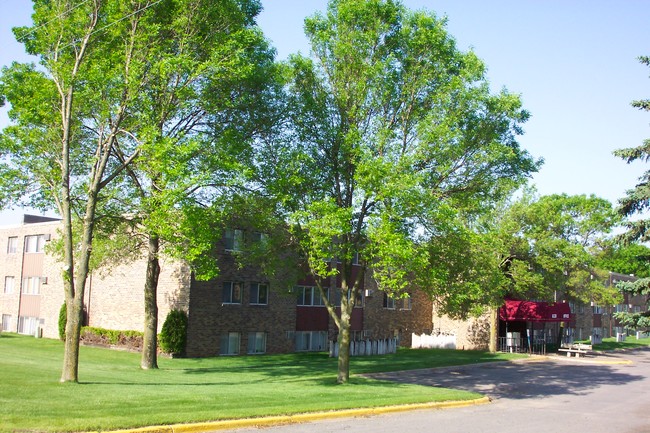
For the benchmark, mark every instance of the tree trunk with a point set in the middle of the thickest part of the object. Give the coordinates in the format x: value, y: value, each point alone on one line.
x: 74, y: 314
x: 150, y: 340
x: 344, y: 344
x: 494, y: 329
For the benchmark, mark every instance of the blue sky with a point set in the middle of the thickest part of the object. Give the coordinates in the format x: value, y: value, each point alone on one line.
x: 574, y: 62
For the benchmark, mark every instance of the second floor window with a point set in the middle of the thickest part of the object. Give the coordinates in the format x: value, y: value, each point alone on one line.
x: 9, y: 285
x: 234, y: 239
x: 35, y: 243
x: 12, y: 245
x: 310, y: 296
x: 259, y: 294
x: 231, y: 293
x: 31, y: 286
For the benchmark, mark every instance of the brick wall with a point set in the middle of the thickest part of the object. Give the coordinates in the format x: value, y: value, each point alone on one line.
x: 210, y: 318
x: 115, y: 296
x: 471, y: 334
x: 387, y: 323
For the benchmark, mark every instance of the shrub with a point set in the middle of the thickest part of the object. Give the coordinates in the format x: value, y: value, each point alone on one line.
x: 174, y: 332
x: 63, y: 320
x: 131, y: 340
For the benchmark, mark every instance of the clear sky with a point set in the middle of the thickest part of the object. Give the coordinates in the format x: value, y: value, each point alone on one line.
x: 574, y: 62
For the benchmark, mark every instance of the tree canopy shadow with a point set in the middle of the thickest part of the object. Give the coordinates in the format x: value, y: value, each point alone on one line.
x: 519, y: 380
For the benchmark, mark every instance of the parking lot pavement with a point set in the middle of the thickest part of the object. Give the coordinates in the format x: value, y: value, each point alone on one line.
x: 534, y: 377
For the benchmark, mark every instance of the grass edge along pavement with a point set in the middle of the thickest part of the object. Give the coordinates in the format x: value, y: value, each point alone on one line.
x: 114, y: 393
x: 298, y: 418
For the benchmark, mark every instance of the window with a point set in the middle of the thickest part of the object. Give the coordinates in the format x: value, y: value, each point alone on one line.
x: 234, y: 239
x: 397, y: 304
x: 256, y: 342
x: 35, y: 243
x: 9, y: 285
x: 259, y: 237
x: 6, y: 322
x: 408, y: 304
x: 12, y: 245
x: 28, y: 325
x: 31, y: 286
x: 389, y: 302
x: 310, y: 296
x: 259, y: 294
x: 231, y: 293
x: 311, y: 341
x: 229, y: 343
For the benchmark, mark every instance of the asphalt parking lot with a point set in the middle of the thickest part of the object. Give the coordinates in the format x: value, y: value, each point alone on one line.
x: 602, y: 393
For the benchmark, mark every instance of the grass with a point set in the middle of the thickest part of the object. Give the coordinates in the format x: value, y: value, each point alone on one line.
x: 629, y: 343
x: 114, y: 393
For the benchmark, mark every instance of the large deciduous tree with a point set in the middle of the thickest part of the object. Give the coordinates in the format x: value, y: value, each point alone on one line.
x: 395, y: 134
x: 206, y: 99
x: 636, y: 203
x: 553, y: 246
x: 66, y: 120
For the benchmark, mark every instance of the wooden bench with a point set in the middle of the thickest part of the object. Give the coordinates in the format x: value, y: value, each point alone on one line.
x: 578, y: 349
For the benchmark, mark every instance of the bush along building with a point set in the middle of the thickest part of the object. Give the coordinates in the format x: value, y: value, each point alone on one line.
x: 238, y: 313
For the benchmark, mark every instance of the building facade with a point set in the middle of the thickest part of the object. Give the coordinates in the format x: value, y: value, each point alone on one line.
x: 240, y: 312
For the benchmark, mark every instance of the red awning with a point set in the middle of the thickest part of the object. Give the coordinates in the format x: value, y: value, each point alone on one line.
x: 532, y: 311
x: 559, y: 312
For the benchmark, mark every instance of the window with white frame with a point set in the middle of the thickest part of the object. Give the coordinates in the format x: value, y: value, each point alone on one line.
x: 310, y: 296
x: 256, y: 342
x: 35, y: 243
x: 28, y: 325
x: 6, y: 322
x: 9, y: 285
x: 12, y: 245
x: 234, y: 239
x: 231, y: 292
x: 31, y: 286
x: 311, y: 341
x: 229, y: 343
x: 259, y: 294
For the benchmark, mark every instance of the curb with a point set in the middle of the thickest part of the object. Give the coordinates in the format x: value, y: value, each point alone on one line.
x: 299, y: 418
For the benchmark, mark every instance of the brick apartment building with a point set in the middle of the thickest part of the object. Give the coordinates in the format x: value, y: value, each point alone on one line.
x: 240, y: 312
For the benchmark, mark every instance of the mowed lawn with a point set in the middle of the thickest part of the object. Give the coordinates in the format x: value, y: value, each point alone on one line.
x: 114, y: 393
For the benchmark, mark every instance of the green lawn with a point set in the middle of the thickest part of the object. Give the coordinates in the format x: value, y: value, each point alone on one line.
x: 629, y: 343
x: 114, y: 393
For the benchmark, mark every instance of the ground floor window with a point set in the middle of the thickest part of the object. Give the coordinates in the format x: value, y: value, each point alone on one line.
x: 256, y: 342
x: 229, y: 343
x: 6, y: 322
x: 28, y: 325
x: 311, y: 341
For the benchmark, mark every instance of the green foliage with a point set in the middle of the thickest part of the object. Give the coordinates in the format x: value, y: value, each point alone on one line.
x: 62, y: 321
x: 174, y: 332
x: 637, y: 200
x: 626, y: 259
x: 110, y: 335
x: 634, y: 320
x: 393, y: 138
x: 552, y: 243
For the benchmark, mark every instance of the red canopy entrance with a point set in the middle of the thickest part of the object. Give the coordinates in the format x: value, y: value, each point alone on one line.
x: 532, y: 311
